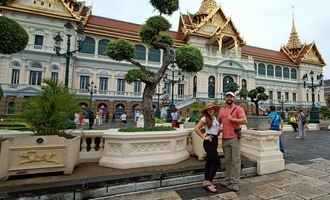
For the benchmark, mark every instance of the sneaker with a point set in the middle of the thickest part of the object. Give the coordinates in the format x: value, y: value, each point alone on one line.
x: 233, y: 187
x: 225, y: 182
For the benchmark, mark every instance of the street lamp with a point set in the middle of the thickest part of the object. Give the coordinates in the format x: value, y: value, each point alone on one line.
x: 68, y: 54
x: 176, y: 78
x: 314, y: 113
x: 92, y: 90
x: 282, y: 100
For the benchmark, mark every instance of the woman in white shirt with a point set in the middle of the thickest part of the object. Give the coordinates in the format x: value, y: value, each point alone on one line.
x: 211, y: 125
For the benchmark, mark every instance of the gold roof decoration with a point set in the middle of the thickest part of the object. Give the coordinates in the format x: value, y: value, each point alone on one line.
x: 207, y: 7
x: 294, y: 41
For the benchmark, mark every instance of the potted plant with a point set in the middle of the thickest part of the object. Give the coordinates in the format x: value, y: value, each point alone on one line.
x: 50, y: 148
x: 256, y: 121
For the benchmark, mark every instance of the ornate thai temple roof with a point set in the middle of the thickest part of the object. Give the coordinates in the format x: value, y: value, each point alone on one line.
x: 294, y: 41
x: 207, y: 7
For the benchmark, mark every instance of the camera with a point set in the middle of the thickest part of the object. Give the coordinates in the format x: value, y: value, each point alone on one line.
x: 238, y: 131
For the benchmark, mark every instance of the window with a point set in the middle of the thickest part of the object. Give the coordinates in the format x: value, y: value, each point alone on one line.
x: 15, y: 77
x: 211, y: 89
x: 318, y: 98
x: 227, y: 81
x: 270, y: 71
x: 287, y: 96
x: 103, y: 87
x: 120, y: 86
x: 54, y: 76
x: 103, y: 46
x: 244, y: 84
x: 140, y: 52
x: 261, y: 70
x: 154, y: 55
x: 279, y: 96
x: 278, y: 72
x: 255, y: 68
x: 294, y: 74
x: 35, y: 78
x: 271, y: 95
x: 286, y: 73
x: 307, y: 97
x: 167, y: 88
x: 137, y: 88
x: 294, y: 97
x: 181, y: 90
x: 38, y: 41
x: 87, y: 46
x: 84, y: 83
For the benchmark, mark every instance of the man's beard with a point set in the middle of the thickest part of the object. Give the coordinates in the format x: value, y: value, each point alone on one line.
x: 229, y: 102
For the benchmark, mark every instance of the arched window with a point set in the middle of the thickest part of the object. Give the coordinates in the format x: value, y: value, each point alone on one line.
x: 103, y: 46
x: 140, y: 52
x: 255, y: 68
x: 270, y: 71
x: 294, y: 74
x: 278, y: 72
x: 87, y: 46
x: 286, y: 73
x: 261, y: 70
x: 211, y: 88
x: 226, y: 80
x: 11, y: 108
x: 244, y: 84
x: 195, y: 87
x: 120, y: 109
x: 154, y: 55
x: 15, y: 64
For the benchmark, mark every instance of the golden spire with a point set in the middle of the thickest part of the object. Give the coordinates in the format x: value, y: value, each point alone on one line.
x: 294, y: 41
x: 207, y: 7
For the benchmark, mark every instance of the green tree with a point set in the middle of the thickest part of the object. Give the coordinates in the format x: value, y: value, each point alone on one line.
x: 256, y: 96
x: 154, y: 33
x: 51, y: 112
x: 243, y: 93
x: 13, y: 37
x: 231, y: 87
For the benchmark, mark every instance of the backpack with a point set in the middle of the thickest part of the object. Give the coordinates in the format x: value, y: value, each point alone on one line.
x: 276, y: 122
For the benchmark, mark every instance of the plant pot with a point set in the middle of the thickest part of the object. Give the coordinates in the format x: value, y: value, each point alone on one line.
x: 258, y: 122
x: 38, y: 154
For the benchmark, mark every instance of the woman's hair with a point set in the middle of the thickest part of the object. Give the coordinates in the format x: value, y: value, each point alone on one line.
x: 208, y: 119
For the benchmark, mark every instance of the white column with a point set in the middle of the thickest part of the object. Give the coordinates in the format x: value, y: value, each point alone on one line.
x: 96, y: 48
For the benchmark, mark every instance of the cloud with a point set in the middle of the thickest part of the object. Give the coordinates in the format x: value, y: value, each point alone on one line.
x: 263, y: 23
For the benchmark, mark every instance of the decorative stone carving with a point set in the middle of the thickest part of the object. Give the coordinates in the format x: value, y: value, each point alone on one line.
x: 144, y: 149
x: 34, y: 157
x: 262, y: 146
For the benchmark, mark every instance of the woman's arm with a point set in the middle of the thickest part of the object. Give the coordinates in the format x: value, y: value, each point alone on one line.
x: 198, y: 128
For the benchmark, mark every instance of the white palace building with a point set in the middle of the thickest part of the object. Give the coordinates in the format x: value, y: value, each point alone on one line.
x: 227, y: 58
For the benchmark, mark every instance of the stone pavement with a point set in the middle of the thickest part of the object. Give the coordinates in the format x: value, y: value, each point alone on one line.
x: 307, y: 176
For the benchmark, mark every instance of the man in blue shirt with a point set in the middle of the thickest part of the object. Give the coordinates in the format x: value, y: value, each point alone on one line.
x: 276, y: 124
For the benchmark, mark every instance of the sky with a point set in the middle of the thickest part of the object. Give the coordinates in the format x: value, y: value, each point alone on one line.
x: 262, y: 23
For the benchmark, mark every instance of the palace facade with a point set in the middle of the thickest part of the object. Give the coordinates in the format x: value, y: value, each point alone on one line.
x: 227, y: 57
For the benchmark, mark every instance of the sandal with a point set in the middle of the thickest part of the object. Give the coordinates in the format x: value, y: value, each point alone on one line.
x: 211, y: 188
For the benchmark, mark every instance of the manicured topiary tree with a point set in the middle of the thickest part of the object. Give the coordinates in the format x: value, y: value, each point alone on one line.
x: 154, y: 33
x: 231, y: 87
x: 256, y: 96
x: 13, y: 37
x: 243, y: 93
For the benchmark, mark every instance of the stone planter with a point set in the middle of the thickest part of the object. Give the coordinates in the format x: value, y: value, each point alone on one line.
x: 38, y: 154
x: 262, y: 147
x: 258, y: 122
x: 144, y: 149
x: 313, y: 126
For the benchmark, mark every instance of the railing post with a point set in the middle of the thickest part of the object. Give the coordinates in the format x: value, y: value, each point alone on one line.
x: 83, y: 144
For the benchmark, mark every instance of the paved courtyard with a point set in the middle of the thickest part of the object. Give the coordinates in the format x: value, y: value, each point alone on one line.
x: 307, y: 176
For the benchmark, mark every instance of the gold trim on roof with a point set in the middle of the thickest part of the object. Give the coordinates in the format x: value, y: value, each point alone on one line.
x: 206, y: 7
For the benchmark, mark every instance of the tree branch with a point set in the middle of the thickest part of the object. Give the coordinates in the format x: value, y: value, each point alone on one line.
x: 167, y: 60
x: 136, y: 63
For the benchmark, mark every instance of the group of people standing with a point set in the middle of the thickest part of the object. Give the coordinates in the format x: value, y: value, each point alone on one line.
x: 298, y: 122
x: 225, y: 121
x: 87, y: 116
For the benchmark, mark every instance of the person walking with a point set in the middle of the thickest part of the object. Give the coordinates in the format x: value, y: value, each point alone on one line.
x: 301, y: 124
x: 276, y: 125
x: 123, y: 119
x: 211, y: 125
x: 175, y: 116
x: 232, y: 117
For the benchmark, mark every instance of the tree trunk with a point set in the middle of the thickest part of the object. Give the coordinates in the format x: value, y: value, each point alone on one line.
x: 148, y: 93
x: 257, y: 107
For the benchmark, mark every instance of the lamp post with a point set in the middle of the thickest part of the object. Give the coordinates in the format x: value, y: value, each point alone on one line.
x: 315, y: 112
x: 176, y: 78
x: 92, y: 90
x: 282, y: 100
x: 68, y: 54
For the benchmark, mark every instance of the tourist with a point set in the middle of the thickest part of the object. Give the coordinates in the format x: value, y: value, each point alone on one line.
x: 276, y: 125
x: 123, y: 118
x: 293, y: 122
x: 136, y: 115
x: 98, y: 119
x: 77, y: 119
x: 211, y: 126
x: 175, y: 116
x: 232, y: 117
x: 301, y: 124
x: 91, y: 118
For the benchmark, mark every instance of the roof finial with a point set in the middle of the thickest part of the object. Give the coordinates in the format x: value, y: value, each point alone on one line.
x: 294, y: 41
x: 207, y: 6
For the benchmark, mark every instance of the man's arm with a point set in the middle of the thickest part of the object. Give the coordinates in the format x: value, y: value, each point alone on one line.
x: 241, y: 119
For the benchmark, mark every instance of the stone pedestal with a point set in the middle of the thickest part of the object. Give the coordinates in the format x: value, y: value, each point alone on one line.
x: 144, y: 149
x: 313, y: 127
x: 263, y: 147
